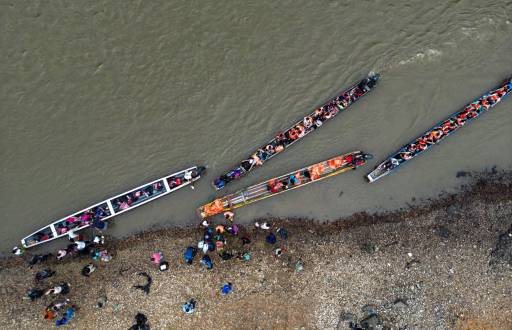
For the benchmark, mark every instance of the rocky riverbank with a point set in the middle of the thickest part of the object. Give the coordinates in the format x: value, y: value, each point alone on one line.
x: 445, y: 264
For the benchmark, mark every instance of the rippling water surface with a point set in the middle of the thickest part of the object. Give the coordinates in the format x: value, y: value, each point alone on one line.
x: 99, y: 97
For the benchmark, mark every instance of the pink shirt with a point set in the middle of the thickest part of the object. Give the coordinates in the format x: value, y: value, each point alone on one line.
x: 156, y: 257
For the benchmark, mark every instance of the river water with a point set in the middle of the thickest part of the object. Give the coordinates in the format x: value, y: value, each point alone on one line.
x: 99, y: 97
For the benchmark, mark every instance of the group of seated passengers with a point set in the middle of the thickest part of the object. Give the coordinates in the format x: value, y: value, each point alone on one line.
x: 124, y: 202
x: 282, y: 140
x: 174, y: 181
x: 39, y: 237
x: 432, y: 137
x: 275, y: 185
x: 352, y: 95
x: 311, y: 122
x: 75, y: 221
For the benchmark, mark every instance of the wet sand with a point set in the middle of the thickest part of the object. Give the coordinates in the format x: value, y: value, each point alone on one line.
x: 445, y: 264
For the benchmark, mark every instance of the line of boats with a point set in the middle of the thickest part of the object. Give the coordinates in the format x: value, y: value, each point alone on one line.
x: 150, y: 191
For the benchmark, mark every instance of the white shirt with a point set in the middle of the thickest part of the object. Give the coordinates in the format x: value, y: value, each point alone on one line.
x: 72, y: 234
x: 61, y: 254
x: 80, y: 245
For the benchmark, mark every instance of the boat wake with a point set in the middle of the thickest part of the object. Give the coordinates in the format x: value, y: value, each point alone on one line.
x: 427, y: 55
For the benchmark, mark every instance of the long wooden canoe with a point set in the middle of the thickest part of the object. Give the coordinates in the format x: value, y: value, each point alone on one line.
x: 280, y: 184
x: 299, y: 130
x: 114, y: 206
x: 441, y: 130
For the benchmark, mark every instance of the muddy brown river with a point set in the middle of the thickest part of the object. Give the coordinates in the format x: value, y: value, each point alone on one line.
x: 99, y: 97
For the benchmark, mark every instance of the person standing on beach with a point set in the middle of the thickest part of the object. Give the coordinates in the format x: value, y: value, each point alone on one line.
x: 229, y: 216
x: 62, y: 288
x: 44, y: 274
x: 70, y: 313
x: 100, y: 225
x: 189, y: 307
x: 88, y: 269
x: 18, y: 251
x: 189, y: 254
x: 34, y: 294
x: 207, y: 261
x: 226, y: 288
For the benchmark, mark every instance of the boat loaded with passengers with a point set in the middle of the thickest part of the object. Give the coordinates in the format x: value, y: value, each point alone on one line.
x: 299, y: 130
x: 280, y: 184
x: 114, y: 206
x: 441, y: 130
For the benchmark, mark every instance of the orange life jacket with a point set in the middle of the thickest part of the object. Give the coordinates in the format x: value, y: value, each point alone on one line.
x: 293, y: 134
x: 316, y: 171
x: 335, y: 162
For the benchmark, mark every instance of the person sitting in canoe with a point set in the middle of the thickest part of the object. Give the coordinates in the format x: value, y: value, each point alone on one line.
x: 262, y: 154
x: 257, y: 160
x: 99, y: 213
x: 270, y: 149
x: 438, y: 133
x: 307, y: 122
x: 285, y: 183
x: 123, y: 205
x: 449, y: 125
x: 174, y: 182
x: 281, y: 139
x: 294, y: 179
x: 292, y: 135
x: 318, y: 114
x: 405, y: 155
x: 329, y: 111
x: 340, y: 100
x: 274, y: 186
x: 248, y: 164
x: 391, y: 163
x: 300, y: 130
x: 158, y: 186
x: 460, y: 121
x: 338, y: 161
x: 316, y: 171
x: 61, y: 229
x: 306, y: 174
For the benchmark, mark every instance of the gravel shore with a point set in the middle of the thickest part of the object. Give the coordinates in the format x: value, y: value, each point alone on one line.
x: 445, y: 264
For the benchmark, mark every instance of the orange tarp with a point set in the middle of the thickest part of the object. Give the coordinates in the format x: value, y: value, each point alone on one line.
x: 213, y: 208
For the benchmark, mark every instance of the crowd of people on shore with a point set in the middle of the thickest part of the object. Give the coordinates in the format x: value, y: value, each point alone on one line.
x: 225, y: 241
x: 61, y: 311
x: 436, y: 134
